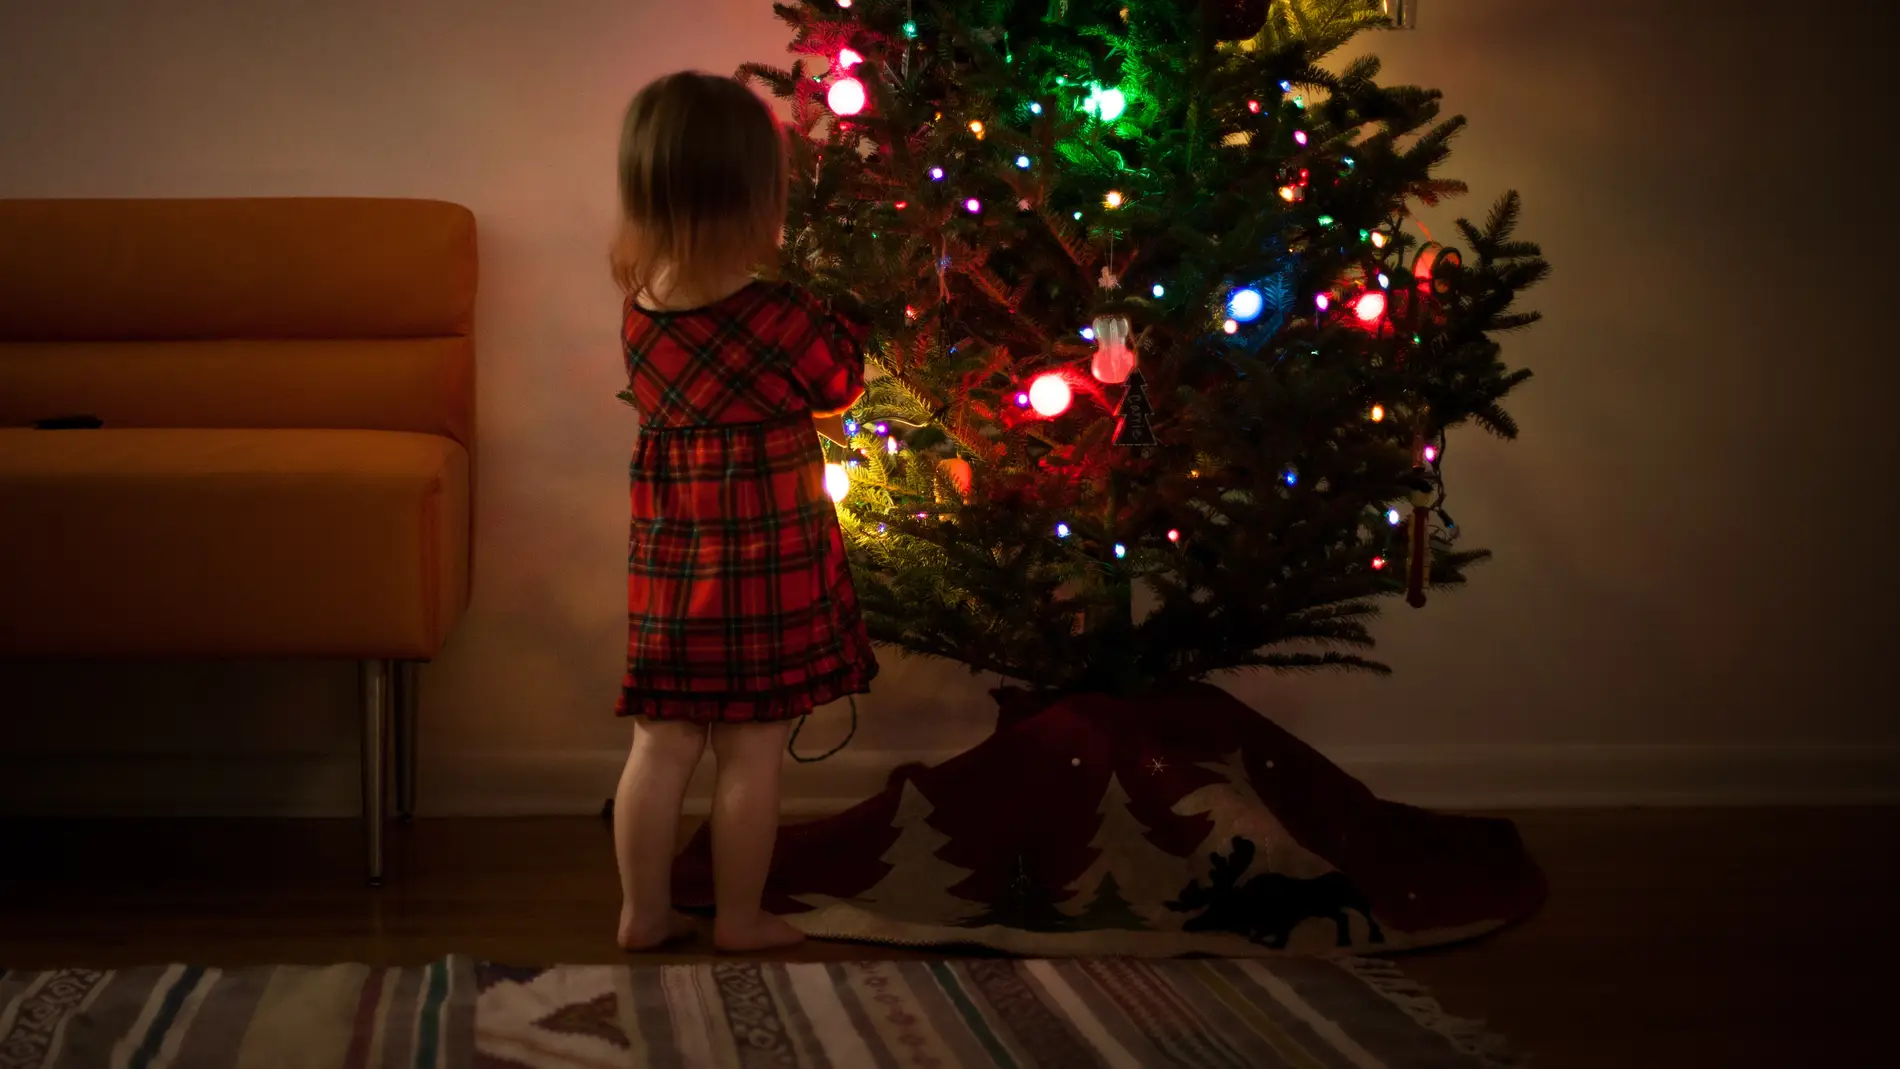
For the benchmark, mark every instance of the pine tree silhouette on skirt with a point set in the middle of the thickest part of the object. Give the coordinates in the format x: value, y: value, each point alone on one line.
x: 1026, y: 903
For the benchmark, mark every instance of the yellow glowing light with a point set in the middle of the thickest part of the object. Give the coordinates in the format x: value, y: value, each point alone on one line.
x: 1230, y: 327
x: 976, y: 127
x: 1378, y: 239
x: 1378, y: 413
x: 837, y: 481
x: 1289, y: 194
x: 1114, y: 199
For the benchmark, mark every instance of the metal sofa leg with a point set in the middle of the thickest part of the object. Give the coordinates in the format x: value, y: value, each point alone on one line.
x: 405, y: 704
x: 376, y: 677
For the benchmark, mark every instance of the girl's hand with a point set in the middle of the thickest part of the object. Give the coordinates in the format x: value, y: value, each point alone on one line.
x: 831, y: 425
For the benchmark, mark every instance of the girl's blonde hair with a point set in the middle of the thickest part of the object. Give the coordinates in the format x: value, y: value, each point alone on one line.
x: 702, y: 184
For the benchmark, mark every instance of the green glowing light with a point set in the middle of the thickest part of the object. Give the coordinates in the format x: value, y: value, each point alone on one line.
x: 1078, y: 217
x: 1105, y: 104
x: 1326, y: 220
x: 910, y: 30
x: 1365, y: 235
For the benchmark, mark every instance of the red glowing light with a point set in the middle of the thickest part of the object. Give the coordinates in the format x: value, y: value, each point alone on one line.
x: 846, y: 96
x: 902, y: 204
x: 1050, y: 395
x: 848, y: 59
x: 1253, y: 106
x: 1173, y: 535
x: 1369, y: 307
x: 1378, y: 564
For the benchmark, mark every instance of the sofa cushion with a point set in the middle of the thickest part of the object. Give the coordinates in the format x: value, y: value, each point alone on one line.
x: 425, y: 385
x: 196, y: 542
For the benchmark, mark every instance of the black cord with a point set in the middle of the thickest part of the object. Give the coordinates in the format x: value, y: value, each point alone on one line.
x: 791, y: 744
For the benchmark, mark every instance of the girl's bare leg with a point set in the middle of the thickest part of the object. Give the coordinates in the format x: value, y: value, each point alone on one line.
x: 744, y: 830
x: 646, y: 823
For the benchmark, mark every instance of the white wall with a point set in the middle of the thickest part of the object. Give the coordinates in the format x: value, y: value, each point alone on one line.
x: 1694, y: 575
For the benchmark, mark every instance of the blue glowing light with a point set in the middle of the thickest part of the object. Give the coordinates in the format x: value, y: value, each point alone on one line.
x: 1088, y: 333
x: 1246, y: 304
x: 1120, y: 551
x: 1035, y: 109
x: 1062, y: 530
x: 1392, y: 516
x: 1292, y: 477
x: 936, y: 174
x: 851, y: 426
x: 1160, y: 291
x: 1023, y: 162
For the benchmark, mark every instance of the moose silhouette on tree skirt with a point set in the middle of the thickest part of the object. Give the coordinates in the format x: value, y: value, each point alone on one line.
x: 1268, y: 907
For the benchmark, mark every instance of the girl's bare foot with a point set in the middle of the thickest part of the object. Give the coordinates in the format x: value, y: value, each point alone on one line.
x: 761, y: 931
x: 647, y: 935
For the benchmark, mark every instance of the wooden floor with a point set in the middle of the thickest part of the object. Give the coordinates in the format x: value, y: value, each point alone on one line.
x: 1717, y: 938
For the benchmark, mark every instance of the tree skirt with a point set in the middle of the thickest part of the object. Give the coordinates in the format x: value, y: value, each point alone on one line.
x: 1181, y: 823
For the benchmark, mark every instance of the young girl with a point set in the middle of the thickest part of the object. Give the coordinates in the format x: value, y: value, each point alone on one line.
x: 740, y: 608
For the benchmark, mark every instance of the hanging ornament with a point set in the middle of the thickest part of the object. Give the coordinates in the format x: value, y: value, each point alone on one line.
x: 958, y: 473
x: 1418, y: 564
x: 1433, y: 266
x: 1235, y: 20
x: 1132, y: 425
x: 1114, y: 357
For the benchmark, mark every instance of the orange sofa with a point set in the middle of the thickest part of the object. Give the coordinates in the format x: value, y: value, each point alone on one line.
x: 285, y: 393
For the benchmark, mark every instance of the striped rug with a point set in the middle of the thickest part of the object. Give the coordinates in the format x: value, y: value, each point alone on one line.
x: 458, y: 1012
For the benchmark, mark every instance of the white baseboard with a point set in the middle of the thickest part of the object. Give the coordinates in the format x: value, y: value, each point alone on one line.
x: 515, y: 783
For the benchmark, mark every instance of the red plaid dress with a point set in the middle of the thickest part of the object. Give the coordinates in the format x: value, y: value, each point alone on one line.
x: 739, y: 598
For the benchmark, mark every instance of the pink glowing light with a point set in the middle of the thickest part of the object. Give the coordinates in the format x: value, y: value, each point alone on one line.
x: 1050, y: 395
x: 1369, y: 307
x: 847, y: 59
x: 1431, y: 454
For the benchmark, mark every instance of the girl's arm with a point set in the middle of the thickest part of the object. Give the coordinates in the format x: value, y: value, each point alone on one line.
x: 828, y: 362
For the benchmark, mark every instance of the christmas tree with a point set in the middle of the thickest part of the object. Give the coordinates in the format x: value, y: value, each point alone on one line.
x: 1147, y: 312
